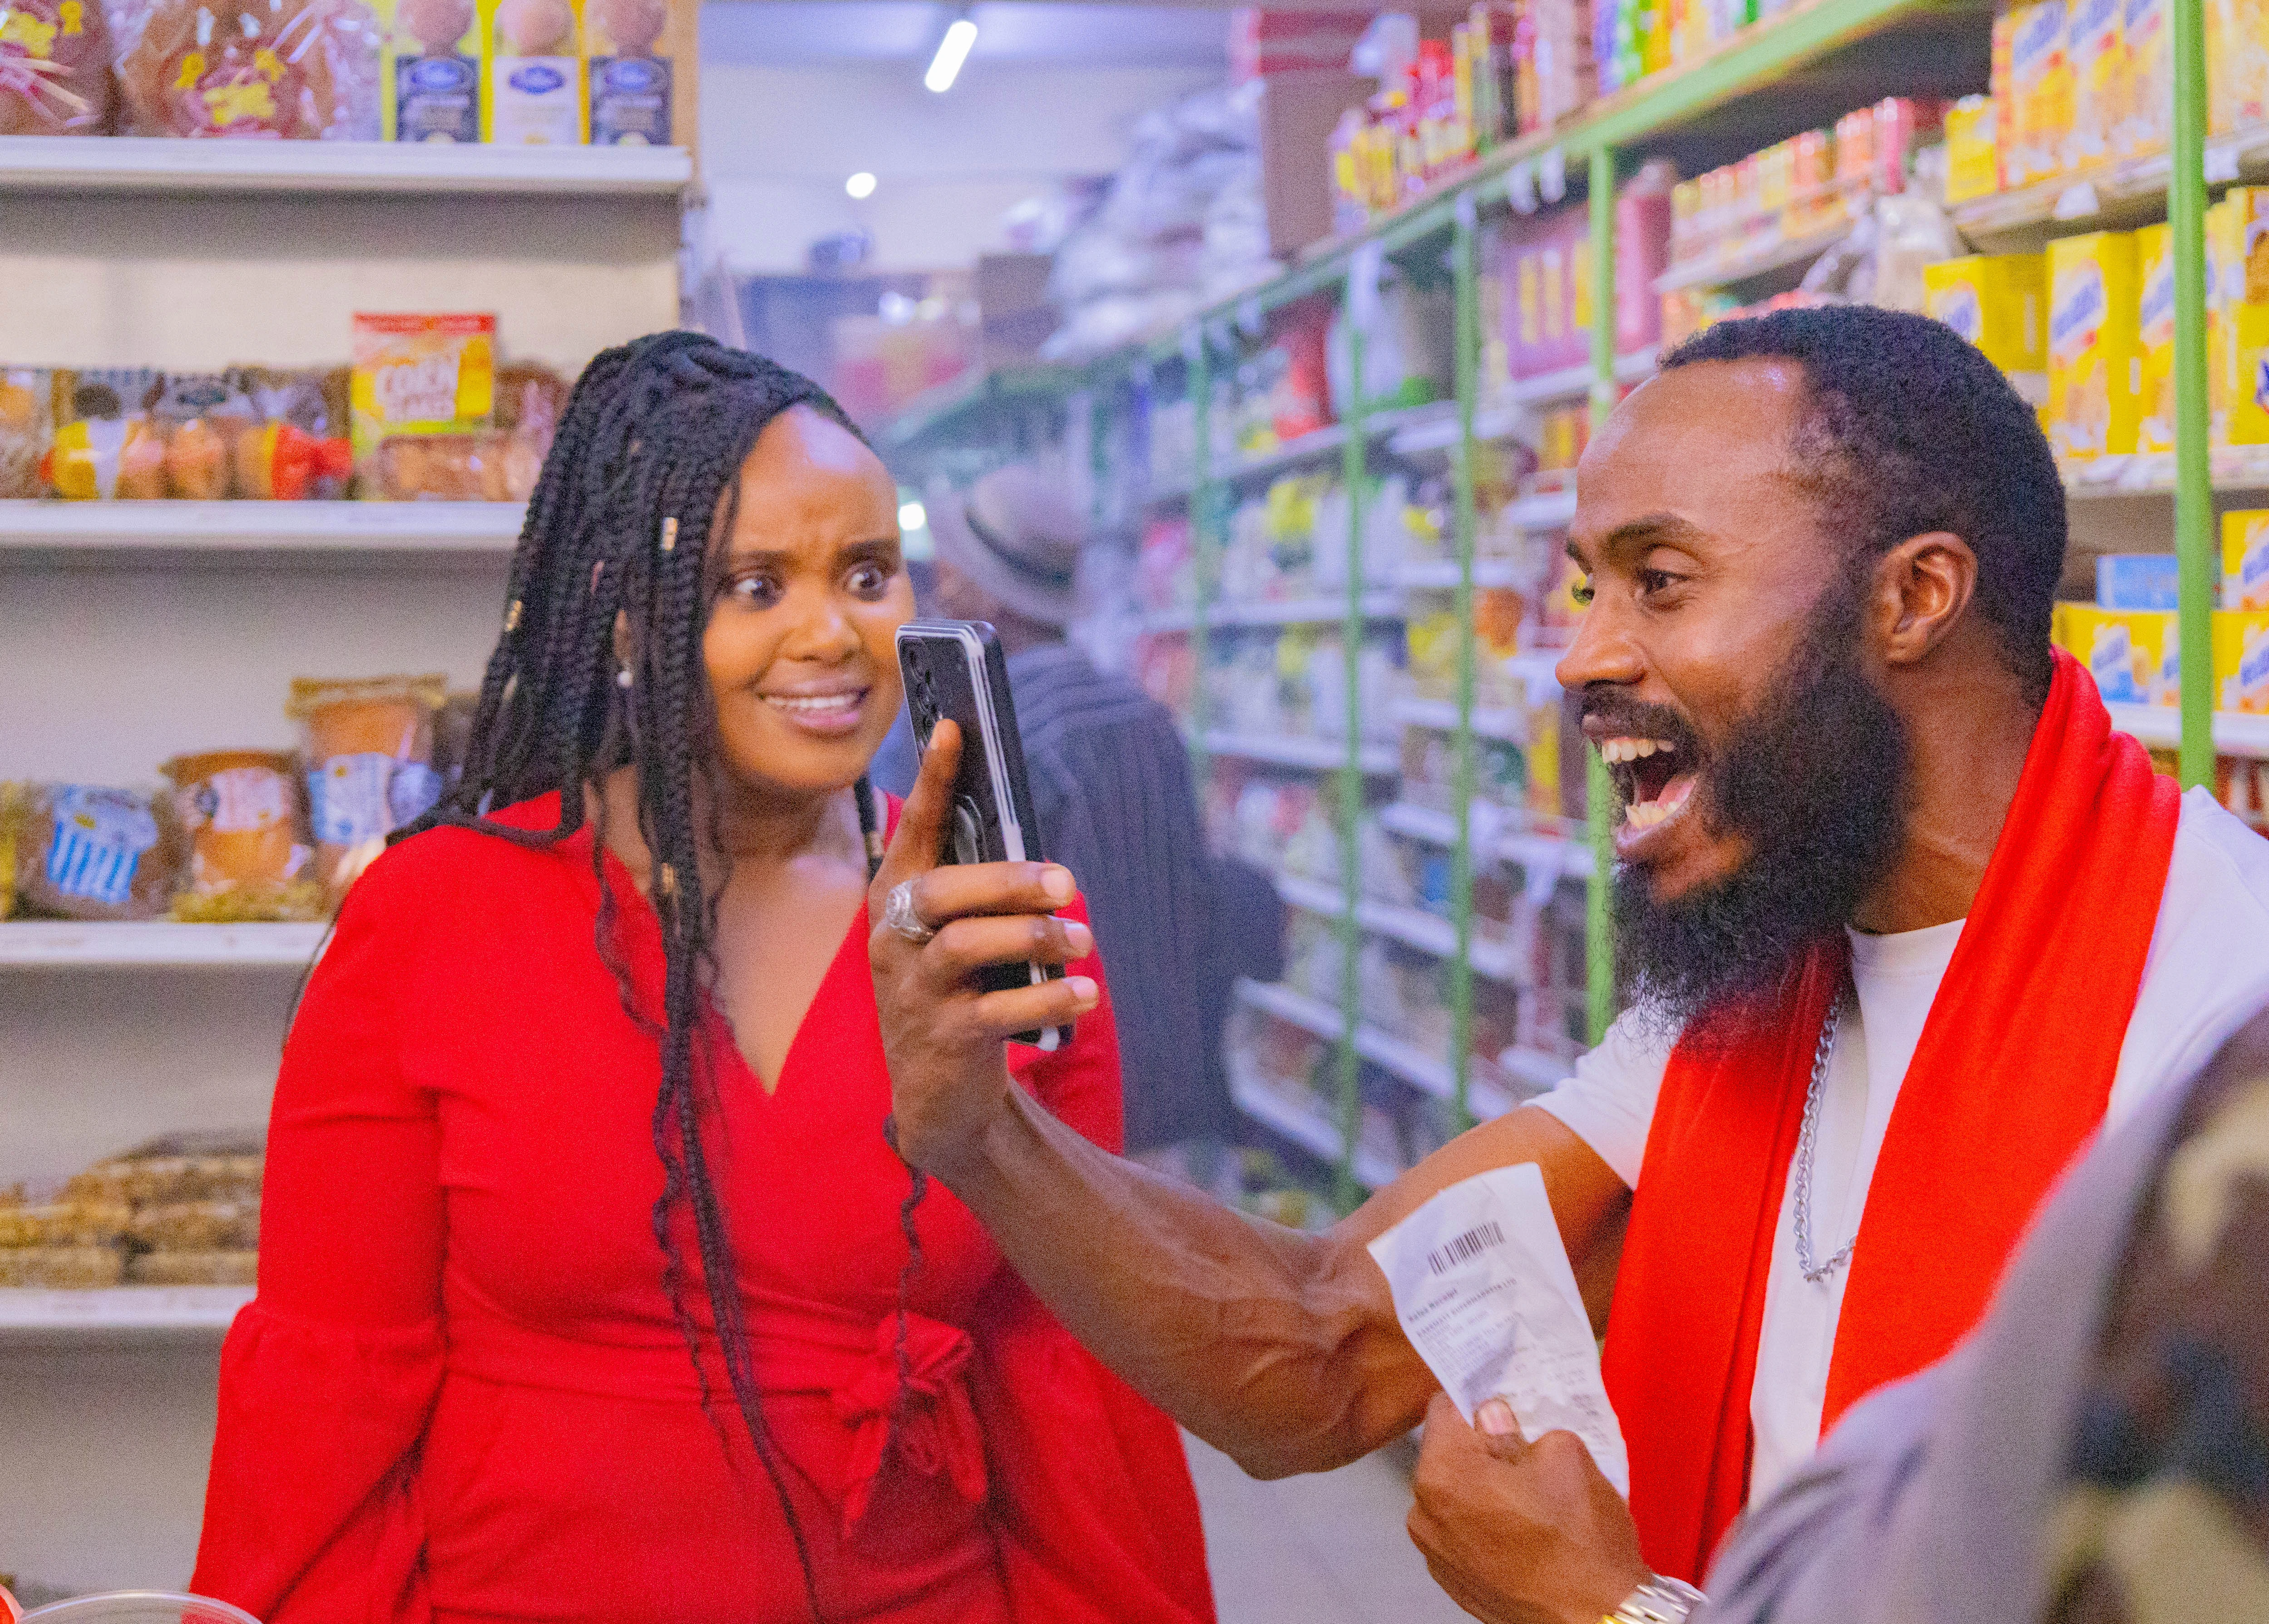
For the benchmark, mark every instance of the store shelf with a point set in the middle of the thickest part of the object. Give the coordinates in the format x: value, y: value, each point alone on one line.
x: 119, y: 1314
x: 41, y: 944
x: 1311, y: 1132
x: 2232, y: 467
x: 344, y: 528
x: 2160, y: 727
x: 1288, y: 750
x: 1573, y: 383
x: 1527, y: 848
x: 138, y: 164
x: 1391, y: 1054
x: 1312, y: 1015
x: 1535, y: 1070
x: 1276, y: 612
x: 1438, y: 418
x: 1413, y: 927
x: 1441, y: 716
x: 1719, y: 269
x: 2112, y: 193
x: 1490, y: 423
x: 1441, y: 574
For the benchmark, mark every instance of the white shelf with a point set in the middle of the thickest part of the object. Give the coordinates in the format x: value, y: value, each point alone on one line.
x: 1441, y: 716
x: 1494, y: 422
x: 1413, y: 927
x: 1276, y: 612
x: 137, y: 164
x: 1554, y: 510
x: 118, y: 1313
x: 1305, y: 1129
x: 1441, y: 574
x: 2078, y: 201
x: 2161, y: 726
x: 1288, y: 750
x: 1312, y: 1015
x: 261, y: 527
x: 1314, y: 896
x: 1717, y: 269
x: 2232, y: 469
x: 1573, y: 383
x: 1389, y: 1053
x: 37, y: 944
x: 1528, y: 848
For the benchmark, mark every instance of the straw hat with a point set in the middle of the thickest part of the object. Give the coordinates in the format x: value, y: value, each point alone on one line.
x: 1015, y: 536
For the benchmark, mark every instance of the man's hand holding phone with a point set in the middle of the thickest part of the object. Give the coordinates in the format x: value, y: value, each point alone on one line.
x: 942, y: 1033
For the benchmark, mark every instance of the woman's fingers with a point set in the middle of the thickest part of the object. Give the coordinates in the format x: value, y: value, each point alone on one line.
x: 968, y: 945
x: 999, y: 1016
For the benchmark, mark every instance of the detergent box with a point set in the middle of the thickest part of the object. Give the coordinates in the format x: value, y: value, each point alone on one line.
x: 2245, y: 559
x: 2134, y: 654
x: 2241, y: 660
x: 2136, y: 580
x: 1997, y: 301
x: 2154, y: 339
x: 2094, y: 364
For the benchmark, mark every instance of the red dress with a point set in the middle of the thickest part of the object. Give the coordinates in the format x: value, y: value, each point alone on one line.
x: 461, y: 1394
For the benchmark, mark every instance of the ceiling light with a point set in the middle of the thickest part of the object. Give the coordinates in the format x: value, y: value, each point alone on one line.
x: 952, y: 51
x: 860, y: 186
x: 912, y: 516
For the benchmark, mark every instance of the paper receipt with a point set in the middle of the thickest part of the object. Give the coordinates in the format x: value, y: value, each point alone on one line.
x: 1483, y: 1288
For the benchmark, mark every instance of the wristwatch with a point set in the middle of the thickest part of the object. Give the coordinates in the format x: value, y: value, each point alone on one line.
x: 1658, y: 1601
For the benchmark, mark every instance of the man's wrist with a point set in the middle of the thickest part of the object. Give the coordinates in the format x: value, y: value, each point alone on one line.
x: 1658, y: 1600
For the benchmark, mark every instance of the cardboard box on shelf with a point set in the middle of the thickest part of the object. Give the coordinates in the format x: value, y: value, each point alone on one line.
x: 2041, y: 82
x: 2094, y: 364
x: 2099, y: 72
x: 2245, y: 559
x: 2137, y: 581
x: 1997, y: 301
x: 2135, y: 655
x: 2145, y: 92
x: 2241, y: 662
x: 2154, y: 262
x: 1298, y: 114
x: 1973, y: 158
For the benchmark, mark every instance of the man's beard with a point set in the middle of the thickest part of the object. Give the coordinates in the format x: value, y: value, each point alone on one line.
x: 1814, y: 780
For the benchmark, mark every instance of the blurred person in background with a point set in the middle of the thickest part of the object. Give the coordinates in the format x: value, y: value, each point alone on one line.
x: 590, y: 1289
x: 1111, y: 787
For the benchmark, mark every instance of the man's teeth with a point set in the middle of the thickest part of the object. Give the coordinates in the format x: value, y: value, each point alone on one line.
x: 820, y: 702
x: 1614, y: 750
x: 1647, y: 814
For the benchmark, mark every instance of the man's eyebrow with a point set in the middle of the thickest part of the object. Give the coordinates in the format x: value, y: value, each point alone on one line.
x: 1635, y: 535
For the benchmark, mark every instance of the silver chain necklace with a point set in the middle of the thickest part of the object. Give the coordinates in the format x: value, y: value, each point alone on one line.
x: 1815, y: 1273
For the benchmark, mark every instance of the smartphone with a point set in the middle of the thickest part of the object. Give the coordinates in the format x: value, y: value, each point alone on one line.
x: 955, y: 671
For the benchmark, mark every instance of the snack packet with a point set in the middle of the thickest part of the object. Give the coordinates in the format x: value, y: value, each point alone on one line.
x: 299, y: 70
x: 421, y: 375
x: 630, y: 84
x: 105, y: 445
x: 1483, y: 1290
x: 369, y: 752
x: 250, y: 855
x: 84, y: 853
x: 198, y: 418
x: 27, y: 422
x: 536, y: 73
x: 55, y: 69
x: 430, y: 71
x: 11, y: 814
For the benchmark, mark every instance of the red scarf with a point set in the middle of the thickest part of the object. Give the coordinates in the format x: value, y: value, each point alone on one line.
x: 2009, y: 1079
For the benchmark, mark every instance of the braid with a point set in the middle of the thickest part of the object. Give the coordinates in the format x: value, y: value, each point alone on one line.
x: 642, y: 472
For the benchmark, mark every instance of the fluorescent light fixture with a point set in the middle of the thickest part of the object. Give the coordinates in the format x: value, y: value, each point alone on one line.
x: 860, y: 186
x: 952, y: 51
x: 912, y: 516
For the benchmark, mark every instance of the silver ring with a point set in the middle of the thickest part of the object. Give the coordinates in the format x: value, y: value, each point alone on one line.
x: 898, y: 914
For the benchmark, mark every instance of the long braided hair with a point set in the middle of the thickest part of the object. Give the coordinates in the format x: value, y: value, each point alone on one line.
x: 643, y: 473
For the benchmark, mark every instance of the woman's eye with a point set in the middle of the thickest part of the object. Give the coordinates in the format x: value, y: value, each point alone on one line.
x: 869, y: 580
x: 756, y: 591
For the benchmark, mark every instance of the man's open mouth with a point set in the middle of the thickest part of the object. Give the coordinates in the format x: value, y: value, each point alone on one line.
x: 1654, y: 778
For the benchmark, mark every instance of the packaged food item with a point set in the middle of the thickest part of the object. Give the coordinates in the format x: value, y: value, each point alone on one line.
x: 194, y: 1268
x: 279, y: 462
x: 65, y: 1223
x: 198, y: 418
x: 2095, y: 364
x: 2147, y: 94
x: 369, y: 752
x: 2099, y: 71
x: 2135, y: 655
x: 27, y: 423
x: 2241, y: 660
x: 55, y: 69
x: 173, y: 1168
x: 1973, y: 157
x: 2136, y: 580
x: 2238, y: 235
x: 62, y: 1267
x: 194, y: 1226
x: 2245, y: 559
x: 2040, y: 72
x: 536, y: 73
x: 2155, y: 338
x: 430, y: 71
x: 11, y: 814
x: 300, y: 70
x: 84, y: 853
x: 1997, y: 301
x: 251, y: 854
x: 421, y: 375
x: 530, y: 398
x: 104, y: 444
x: 2236, y: 64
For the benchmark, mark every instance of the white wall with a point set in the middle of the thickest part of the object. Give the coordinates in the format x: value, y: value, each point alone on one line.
x: 777, y: 143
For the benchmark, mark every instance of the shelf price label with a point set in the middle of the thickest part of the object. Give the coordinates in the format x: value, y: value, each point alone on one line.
x: 2078, y: 202
x: 1552, y: 175
x: 1520, y: 187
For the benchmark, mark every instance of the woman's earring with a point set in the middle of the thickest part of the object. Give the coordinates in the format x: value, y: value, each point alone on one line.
x: 622, y: 677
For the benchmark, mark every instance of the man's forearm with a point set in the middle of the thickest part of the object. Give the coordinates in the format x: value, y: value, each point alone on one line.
x: 1272, y: 1345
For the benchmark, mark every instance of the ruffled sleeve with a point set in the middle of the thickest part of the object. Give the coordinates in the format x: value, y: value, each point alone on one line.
x: 328, y: 1378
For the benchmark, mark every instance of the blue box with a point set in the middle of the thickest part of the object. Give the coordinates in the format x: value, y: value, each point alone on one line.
x: 2136, y: 580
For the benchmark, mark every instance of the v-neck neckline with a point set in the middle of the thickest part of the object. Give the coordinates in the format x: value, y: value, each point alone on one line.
x: 855, y: 931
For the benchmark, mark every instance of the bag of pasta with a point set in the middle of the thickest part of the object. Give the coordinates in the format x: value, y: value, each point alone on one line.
x: 250, y: 854
x: 368, y: 746
x: 85, y: 852
x: 55, y: 69
x: 299, y: 70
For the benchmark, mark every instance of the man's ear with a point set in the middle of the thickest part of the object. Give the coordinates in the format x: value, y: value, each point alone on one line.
x: 1922, y: 590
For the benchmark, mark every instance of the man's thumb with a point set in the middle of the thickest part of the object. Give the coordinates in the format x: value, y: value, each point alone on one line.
x: 1499, y: 1428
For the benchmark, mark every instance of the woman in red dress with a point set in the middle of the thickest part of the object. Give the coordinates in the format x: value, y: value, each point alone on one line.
x: 586, y: 1289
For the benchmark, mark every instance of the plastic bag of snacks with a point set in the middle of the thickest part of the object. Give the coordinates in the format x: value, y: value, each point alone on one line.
x: 199, y: 417
x: 251, y: 854
x: 55, y: 69
x: 28, y: 420
x: 369, y: 755
x: 299, y: 70
x: 298, y: 452
x: 105, y: 444
x: 12, y: 813
x: 84, y: 853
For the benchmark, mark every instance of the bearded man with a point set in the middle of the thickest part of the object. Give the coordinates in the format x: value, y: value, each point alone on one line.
x: 1904, y: 923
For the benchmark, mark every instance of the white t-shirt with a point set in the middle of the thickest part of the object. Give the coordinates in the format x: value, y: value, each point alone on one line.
x: 2207, y: 972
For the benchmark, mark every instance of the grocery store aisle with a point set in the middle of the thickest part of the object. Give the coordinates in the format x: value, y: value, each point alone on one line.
x: 1327, y: 1549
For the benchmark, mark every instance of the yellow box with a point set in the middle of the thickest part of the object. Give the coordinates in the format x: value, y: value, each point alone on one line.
x: 535, y: 88
x: 1996, y: 302
x: 2134, y: 654
x: 1973, y: 153
x: 2147, y: 90
x: 2245, y: 559
x: 2241, y: 662
x: 2095, y: 365
x: 2237, y: 254
x: 2099, y: 73
x: 431, y: 70
x: 2236, y: 64
x: 2040, y: 73
x: 2155, y: 405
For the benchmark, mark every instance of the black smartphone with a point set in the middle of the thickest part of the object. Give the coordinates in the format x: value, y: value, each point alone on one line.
x: 955, y: 670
